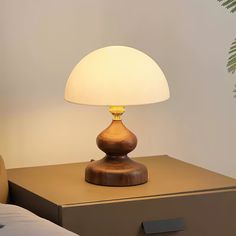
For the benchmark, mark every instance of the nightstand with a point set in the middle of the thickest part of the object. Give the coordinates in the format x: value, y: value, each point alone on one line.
x: 179, y: 198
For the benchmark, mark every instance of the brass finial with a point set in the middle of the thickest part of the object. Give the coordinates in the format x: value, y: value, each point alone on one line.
x: 117, y: 111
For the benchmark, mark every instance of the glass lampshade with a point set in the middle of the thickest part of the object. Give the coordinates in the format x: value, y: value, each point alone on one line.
x: 116, y: 76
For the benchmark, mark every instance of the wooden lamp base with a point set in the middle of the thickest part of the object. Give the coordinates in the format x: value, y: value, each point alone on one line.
x: 116, y: 168
x: 116, y: 171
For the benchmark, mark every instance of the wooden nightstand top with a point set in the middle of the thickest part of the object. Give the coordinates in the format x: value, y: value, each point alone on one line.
x: 64, y: 184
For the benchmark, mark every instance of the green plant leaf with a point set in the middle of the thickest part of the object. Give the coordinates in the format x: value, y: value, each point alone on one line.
x: 229, y: 4
x: 231, y: 64
x: 232, y: 56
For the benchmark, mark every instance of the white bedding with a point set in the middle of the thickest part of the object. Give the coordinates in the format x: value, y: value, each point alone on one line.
x: 16, y: 221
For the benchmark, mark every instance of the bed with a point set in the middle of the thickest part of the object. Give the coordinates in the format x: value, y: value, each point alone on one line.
x: 17, y: 221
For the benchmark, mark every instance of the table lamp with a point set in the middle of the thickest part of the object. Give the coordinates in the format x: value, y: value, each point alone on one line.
x: 116, y: 76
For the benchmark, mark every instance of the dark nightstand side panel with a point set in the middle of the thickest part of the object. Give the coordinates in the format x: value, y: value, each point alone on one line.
x: 204, y: 214
x: 34, y: 203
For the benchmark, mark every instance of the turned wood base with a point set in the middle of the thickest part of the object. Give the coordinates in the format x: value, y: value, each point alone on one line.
x: 116, y: 171
x: 116, y: 168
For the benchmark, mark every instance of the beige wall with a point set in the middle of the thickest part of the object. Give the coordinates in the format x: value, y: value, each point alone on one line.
x: 41, y: 41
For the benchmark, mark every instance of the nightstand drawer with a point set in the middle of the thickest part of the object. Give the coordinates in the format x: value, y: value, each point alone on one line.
x: 205, y: 214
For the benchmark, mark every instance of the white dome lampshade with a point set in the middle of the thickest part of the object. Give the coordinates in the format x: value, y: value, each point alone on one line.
x: 116, y: 76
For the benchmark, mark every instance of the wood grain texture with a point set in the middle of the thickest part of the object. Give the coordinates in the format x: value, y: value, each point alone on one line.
x: 116, y: 139
x: 116, y: 171
x: 116, y: 168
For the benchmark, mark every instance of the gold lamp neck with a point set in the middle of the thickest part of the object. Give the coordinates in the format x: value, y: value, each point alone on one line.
x: 117, y: 111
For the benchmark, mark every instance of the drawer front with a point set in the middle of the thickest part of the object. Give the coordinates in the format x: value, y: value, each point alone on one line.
x: 205, y: 214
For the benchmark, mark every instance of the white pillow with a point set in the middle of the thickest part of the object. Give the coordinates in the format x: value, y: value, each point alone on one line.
x: 17, y: 221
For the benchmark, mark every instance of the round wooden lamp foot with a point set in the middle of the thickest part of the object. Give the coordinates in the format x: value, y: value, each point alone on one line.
x: 116, y: 171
